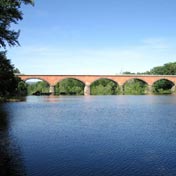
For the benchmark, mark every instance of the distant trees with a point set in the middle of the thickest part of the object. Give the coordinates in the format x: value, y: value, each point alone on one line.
x: 104, y: 87
x: 166, y: 69
x: 70, y: 87
x: 135, y: 87
x: 37, y: 87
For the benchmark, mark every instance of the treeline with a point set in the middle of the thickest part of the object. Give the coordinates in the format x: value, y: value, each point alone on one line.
x: 166, y: 69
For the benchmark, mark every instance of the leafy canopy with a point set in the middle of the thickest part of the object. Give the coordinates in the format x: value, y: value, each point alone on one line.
x: 8, y: 82
x: 166, y: 69
x: 10, y: 13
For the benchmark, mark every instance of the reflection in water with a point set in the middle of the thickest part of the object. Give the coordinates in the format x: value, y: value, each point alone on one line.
x: 10, y: 161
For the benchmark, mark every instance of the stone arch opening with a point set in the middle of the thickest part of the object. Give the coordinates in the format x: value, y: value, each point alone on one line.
x: 104, y: 86
x: 37, y: 86
x: 69, y: 86
x: 163, y: 86
x: 135, y: 86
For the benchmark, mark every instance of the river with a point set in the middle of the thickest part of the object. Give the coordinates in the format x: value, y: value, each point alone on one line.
x: 89, y: 136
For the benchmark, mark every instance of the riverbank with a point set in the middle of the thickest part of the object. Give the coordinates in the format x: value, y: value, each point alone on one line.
x: 12, y: 99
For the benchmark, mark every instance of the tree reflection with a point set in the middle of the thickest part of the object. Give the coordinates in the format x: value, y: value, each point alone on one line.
x: 10, y: 160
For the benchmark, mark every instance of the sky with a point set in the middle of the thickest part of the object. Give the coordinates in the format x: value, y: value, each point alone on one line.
x: 95, y: 36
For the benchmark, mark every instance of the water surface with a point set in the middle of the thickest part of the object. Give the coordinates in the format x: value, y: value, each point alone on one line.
x: 89, y: 136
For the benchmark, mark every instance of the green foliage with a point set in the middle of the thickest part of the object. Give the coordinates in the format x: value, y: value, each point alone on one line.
x: 40, y: 86
x: 22, y: 88
x: 104, y: 87
x: 16, y: 71
x: 69, y: 87
x: 135, y: 87
x: 128, y: 73
x: 10, y: 13
x: 162, y: 87
x: 8, y: 82
x: 166, y: 69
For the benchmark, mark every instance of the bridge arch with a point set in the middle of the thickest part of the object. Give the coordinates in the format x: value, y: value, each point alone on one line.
x: 106, y: 78
x: 73, y: 78
x: 136, y: 78
x: 69, y: 86
x: 167, y: 79
x: 104, y: 86
x: 163, y: 86
x: 99, y: 78
x: 40, y: 79
x: 36, y: 86
x: 135, y: 86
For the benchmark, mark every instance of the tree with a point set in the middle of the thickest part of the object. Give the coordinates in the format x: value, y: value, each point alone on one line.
x: 166, y: 69
x: 163, y: 86
x: 39, y: 87
x: 16, y: 71
x: 70, y: 87
x: 8, y: 82
x: 135, y: 87
x: 10, y: 13
x: 104, y: 87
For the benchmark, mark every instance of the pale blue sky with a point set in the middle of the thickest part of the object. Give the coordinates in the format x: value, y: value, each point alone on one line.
x: 95, y: 36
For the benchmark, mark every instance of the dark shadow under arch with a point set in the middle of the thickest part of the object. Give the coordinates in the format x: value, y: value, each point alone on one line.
x: 162, y: 86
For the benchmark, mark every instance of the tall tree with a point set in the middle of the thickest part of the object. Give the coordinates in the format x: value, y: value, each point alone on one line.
x: 8, y: 82
x: 10, y: 13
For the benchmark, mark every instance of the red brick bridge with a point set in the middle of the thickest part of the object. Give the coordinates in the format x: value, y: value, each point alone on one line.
x: 52, y: 80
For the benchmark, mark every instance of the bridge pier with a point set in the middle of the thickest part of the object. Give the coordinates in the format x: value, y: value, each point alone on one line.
x: 52, y: 89
x: 173, y: 89
x: 121, y: 89
x: 87, y: 89
x: 149, y: 89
